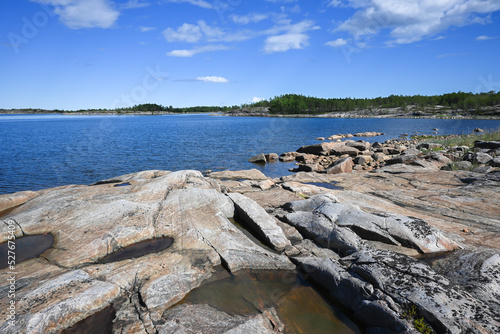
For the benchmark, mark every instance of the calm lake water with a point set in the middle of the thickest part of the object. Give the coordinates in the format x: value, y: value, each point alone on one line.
x: 41, y: 151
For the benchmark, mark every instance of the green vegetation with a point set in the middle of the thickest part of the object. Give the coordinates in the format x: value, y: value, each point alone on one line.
x: 466, y: 140
x: 300, y: 104
x: 413, y: 316
x: 152, y: 107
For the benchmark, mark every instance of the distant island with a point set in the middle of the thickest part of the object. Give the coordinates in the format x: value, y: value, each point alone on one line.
x: 451, y: 105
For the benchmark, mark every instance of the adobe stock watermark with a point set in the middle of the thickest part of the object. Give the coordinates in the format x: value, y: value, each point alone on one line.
x: 223, y: 8
x: 10, y: 256
x: 151, y: 81
x: 30, y: 27
x: 487, y: 84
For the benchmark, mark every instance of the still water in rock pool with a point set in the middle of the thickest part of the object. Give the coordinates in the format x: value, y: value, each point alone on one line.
x: 301, y: 308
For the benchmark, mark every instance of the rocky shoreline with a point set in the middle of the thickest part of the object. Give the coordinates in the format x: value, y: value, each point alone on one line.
x: 402, y: 235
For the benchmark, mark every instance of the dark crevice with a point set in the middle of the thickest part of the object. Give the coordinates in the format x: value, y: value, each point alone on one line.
x: 139, y: 249
x: 250, y: 233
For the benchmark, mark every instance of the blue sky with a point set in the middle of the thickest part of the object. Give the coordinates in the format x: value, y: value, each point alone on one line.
x: 79, y: 54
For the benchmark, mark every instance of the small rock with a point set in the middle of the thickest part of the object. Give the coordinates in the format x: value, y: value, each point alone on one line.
x: 478, y: 130
x: 320, y: 138
x: 258, y: 159
x: 463, y: 165
x: 482, y: 158
x: 495, y: 162
x: 272, y: 157
x: 363, y: 160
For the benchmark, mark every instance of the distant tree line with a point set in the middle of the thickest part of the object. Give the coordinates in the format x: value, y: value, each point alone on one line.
x: 300, y: 104
x: 153, y: 107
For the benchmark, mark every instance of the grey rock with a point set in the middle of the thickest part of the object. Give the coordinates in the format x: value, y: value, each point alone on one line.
x: 463, y: 165
x: 259, y: 158
x: 193, y: 319
x: 317, y: 149
x: 324, y: 232
x: 482, y: 158
x: 360, y: 145
x: 272, y: 156
x: 251, y: 174
x: 341, y: 149
x: 492, y: 145
x: 429, y: 146
x: 409, y: 281
x: 482, y: 169
x: 478, y: 272
x: 287, y: 158
x: 495, y: 162
x: 319, y: 216
x: 478, y: 130
x: 259, y: 221
x: 402, y: 159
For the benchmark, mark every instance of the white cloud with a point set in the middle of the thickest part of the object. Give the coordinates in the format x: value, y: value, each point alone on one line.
x: 484, y: 38
x: 185, y: 33
x: 282, y: 37
x: 192, y: 52
x: 199, y: 3
x: 193, y: 33
x: 412, y: 21
x: 134, y: 4
x: 283, y: 43
x: 336, y: 43
x: 213, y: 79
x: 146, y: 29
x: 76, y: 14
x: 250, y: 18
x: 256, y: 99
x: 293, y: 38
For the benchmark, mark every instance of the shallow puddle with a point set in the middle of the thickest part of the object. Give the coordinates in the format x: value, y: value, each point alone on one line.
x: 122, y: 184
x: 139, y: 249
x: 432, y: 258
x: 100, y: 322
x: 25, y: 248
x: 325, y: 185
x: 301, y: 308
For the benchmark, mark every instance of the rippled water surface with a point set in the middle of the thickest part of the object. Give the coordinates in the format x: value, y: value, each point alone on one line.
x: 41, y: 151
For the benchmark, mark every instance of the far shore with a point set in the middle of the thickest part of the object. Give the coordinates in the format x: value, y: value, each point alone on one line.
x: 243, y: 113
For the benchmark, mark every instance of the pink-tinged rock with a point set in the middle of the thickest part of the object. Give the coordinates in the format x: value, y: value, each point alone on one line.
x: 343, y: 165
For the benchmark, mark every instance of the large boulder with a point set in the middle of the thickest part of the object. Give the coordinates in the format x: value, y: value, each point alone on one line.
x: 343, y: 165
x: 317, y: 149
x: 259, y: 221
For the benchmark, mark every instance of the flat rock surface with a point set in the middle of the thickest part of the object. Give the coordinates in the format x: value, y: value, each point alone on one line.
x: 69, y: 282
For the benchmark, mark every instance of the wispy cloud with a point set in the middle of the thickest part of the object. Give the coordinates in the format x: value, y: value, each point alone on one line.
x: 199, y: 3
x: 294, y: 37
x: 411, y: 21
x: 213, y: 79
x: 250, y: 18
x: 190, y: 53
x: 133, y: 4
x: 336, y: 43
x: 77, y: 14
x: 146, y: 29
x: 448, y: 55
x: 484, y: 38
